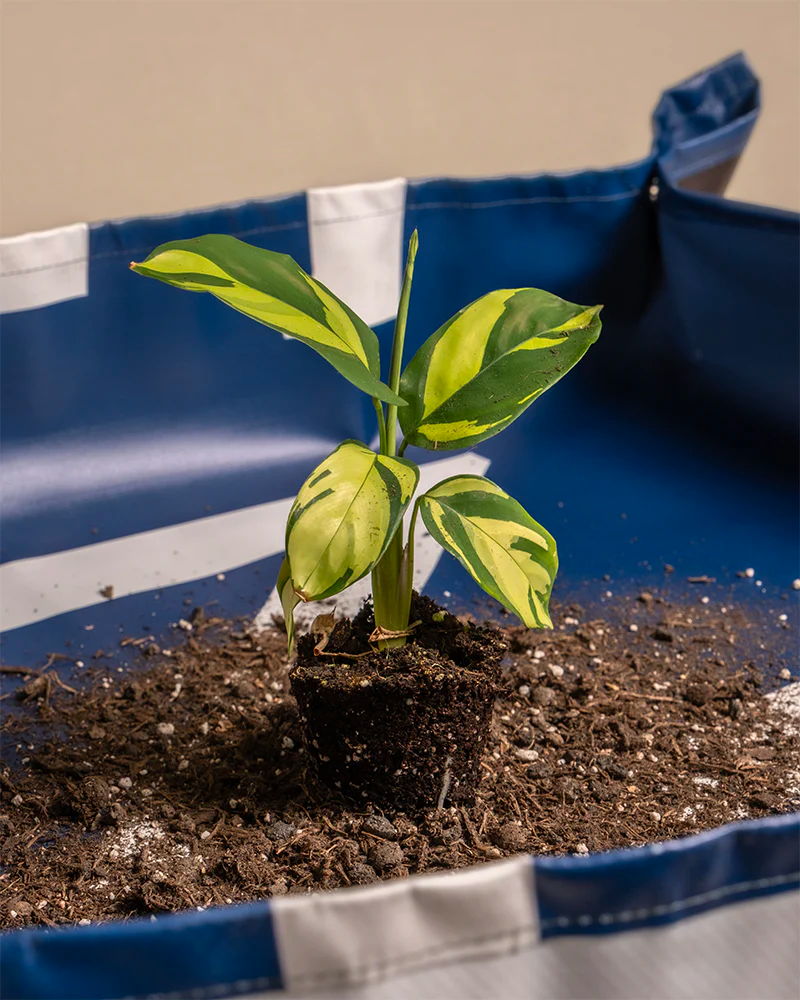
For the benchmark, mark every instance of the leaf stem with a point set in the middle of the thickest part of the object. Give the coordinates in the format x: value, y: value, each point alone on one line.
x: 381, y: 425
x: 396, y: 364
x: 391, y: 578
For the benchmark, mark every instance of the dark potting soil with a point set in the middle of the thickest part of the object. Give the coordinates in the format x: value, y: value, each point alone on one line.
x: 403, y: 728
x: 185, y: 783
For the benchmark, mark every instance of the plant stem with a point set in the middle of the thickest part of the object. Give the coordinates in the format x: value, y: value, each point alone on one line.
x: 391, y: 578
x: 381, y: 425
x: 396, y: 365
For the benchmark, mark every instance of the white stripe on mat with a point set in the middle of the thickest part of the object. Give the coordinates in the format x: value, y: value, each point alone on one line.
x: 40, y: 269
x: 356, y: 241
x: 38, y: 588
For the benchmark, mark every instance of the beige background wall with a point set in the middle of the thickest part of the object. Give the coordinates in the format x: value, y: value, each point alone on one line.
x: 123, y: 107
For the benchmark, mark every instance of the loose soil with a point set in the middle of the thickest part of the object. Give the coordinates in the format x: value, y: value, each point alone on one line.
x: 185, y: 783
x: 403, y: 728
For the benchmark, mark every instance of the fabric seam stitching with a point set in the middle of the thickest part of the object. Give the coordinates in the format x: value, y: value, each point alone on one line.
x: 628, y: 916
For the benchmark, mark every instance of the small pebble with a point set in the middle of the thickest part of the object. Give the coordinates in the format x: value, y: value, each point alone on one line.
x: 379, y: 826
x: 704, y: 600
x: 785, y: 675
x: 795, y: 584
x: 220, y: 577
x: 84, y: 922
x: 204, y: 728
x: 280, y: 832
x: 633, y: 628
x: 783, y: 618
x: 385, y: 855
x: 581, y: 849
x: 511, y: 837
x: 17, y: 800
x: 749, y: 572
x: 527, y: 755
x: 538, y: 654
x: 525, y: 690
x: 186, y: 626
x: 205, y: 834
x: 288, y: 743
x: 165, y: 729
x: 555, y: 669
x: 125, y: 783
x: 655, y: 817
x: 183, y: 764
x: 362, y: 873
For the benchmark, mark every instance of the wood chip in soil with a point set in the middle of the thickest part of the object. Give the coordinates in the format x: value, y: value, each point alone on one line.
x: 184, y: 783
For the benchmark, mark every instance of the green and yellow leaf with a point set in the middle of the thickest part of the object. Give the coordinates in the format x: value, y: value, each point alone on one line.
x: 488, y: 363
x: 344, y: 517
x: 507, y: 553
x: 274, y: 290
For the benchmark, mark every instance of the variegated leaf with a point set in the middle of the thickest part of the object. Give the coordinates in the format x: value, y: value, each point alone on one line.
x: 488, y: 363
x: 344, y: 517
x: 510, y: 556
x: 274, y: 290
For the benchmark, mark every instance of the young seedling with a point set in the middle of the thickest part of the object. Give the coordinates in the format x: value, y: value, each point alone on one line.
x: 467, y: 382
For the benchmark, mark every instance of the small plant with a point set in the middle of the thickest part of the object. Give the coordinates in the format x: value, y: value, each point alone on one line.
x: 470, y: 379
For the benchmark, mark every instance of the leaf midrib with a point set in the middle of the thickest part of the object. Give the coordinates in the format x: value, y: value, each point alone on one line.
x: 428, y: 419
x: 342, y: 518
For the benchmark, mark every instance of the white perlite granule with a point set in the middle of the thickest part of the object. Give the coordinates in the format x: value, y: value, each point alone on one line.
x: 786, y: 700
x: 708, y: 782
x: 134, y: 836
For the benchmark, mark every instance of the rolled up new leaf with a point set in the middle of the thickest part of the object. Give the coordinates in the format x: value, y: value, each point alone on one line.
x: 274, y: 290
x: 488, y: 363
x: 344, y: 517
x: 507, y: 553
x: 289, y: 600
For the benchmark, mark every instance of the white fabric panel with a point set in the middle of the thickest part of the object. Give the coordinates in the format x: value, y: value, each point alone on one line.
x: 427, y: 551
x: 357, y: 942
x: 356, y: 237
x: 742, y: 951
x: 38, y: 588
x: 40, y: 269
